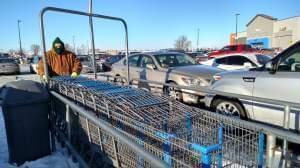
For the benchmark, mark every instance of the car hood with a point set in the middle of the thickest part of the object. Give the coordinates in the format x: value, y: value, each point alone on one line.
x: 203, y: 71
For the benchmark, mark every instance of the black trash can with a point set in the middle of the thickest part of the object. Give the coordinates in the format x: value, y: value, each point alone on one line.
x: 25, y: 106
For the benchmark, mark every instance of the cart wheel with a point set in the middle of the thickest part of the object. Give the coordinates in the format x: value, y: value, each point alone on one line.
x: 173, y: 92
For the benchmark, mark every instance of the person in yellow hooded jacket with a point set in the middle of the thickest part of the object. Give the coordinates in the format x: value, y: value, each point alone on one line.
x: 60, y: 61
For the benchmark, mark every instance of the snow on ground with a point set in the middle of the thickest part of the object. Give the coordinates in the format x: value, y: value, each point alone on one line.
x: 58, y: 159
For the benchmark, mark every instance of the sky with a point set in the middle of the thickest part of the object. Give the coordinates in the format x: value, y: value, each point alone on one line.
x: 152, y: 24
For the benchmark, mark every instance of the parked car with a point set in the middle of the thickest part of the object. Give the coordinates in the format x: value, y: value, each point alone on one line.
x: 87, y: 64
x: 238, y: 61
x: 230, y: 49
x: 9, y: 66
x: 107, y: 65
x: 168, y: 67
x: 199, y: 56
x: 279, y: 79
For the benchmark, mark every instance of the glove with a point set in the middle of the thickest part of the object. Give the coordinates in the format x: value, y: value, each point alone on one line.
x: 74, y: 74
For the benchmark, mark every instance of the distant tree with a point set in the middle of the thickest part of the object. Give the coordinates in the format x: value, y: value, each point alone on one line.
x: 82, y: 49
x: 182, y: 43
x: 68, y: 47
x: 11, y: 52
x: 35, y: 49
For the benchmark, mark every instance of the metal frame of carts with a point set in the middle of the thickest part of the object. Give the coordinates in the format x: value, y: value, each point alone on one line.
x: 178, y: 134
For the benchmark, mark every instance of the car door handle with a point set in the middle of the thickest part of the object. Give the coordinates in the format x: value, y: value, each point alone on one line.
x: 249, y: 79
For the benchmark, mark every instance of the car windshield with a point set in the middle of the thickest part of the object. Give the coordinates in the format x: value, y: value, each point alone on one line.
x: 7, y: 61
x: 114, y: 59
x: 262, y: 59
x: 174, y: 60
x: 83, y: 59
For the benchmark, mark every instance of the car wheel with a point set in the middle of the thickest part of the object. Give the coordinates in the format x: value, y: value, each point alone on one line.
x: 173, y: 92
x: 31, y: 69
x: 229, y: 108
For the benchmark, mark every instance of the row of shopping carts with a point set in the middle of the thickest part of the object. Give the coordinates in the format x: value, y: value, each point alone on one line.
x: 180, y: 135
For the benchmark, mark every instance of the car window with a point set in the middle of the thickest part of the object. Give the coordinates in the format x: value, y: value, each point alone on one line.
x: 262, y: 59
x: 233, y: 48
x: 226, y: 48
x: 84, y: 59
x: 114, y: 59
x: 291, y: 63
x: 222, y: 60
x: 146, y: 60
x: 238, y: 60
x: 133, y: 60
x: 174, y: 60
x: 246, y: 47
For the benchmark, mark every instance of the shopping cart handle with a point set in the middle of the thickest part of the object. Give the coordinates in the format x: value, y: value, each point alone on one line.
x: 164, y: 135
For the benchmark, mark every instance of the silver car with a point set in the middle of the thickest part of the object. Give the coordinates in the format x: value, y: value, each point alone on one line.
x: 87, y: 64
x: 238, y: 61
x: 278, y: 79
x: 9, y: 66
x: 168, y: 67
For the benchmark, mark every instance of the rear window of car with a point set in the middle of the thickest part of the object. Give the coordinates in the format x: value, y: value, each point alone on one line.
x: 262, y: 59
x: 246, y: 47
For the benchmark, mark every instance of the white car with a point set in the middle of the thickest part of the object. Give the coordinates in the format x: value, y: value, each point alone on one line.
x: 238, y: 61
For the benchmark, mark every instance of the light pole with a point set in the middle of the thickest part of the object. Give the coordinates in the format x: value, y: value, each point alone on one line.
x: 236, y: 27
x: 92, y: 37
x: 20, y: 42
x: 198, y: 39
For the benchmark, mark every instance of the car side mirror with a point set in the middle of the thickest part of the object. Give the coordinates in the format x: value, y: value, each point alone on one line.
x: 150, y: 66
x: 270, y: 66
x: 247, y: 65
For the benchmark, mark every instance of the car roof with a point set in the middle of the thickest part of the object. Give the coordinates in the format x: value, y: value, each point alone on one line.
x: 248, y: 54
x: 159, y: 53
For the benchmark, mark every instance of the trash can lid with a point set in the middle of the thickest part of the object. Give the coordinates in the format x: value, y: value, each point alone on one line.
x: 23, y: 92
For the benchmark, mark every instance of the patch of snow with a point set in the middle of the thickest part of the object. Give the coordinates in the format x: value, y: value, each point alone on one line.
x: 58, y: 159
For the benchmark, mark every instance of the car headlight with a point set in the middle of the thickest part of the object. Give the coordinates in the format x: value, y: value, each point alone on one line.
x: 194, y: 82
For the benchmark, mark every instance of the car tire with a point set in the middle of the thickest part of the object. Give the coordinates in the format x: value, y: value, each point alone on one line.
x: 31, y: 70
x: 229, y: 107
x: 173, y: 92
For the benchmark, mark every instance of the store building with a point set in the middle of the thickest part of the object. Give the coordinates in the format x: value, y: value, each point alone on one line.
x: 264, y: 31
